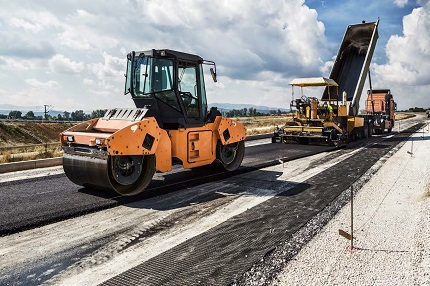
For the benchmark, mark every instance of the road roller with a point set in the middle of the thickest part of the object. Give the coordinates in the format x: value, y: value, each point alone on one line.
x: 170, y: 125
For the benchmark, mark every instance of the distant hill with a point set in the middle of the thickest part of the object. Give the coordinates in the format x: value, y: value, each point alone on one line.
x: 230, y: 106
x: 37, y: 110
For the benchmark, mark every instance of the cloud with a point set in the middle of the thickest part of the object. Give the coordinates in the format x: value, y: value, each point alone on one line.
x: 88, y: 81
x: 407, y: 53
x: 26, y: 25
x: 243, y: 39
x: 31, y: 20
x: 16, y: 64
x: 111, y: 67
x: 15, y: 46
x: 38, y: 84
x: 258, y: 47
x: 408, y: 58
x: 84, y: 30
x: 61, y: 64
x: 401, y: 3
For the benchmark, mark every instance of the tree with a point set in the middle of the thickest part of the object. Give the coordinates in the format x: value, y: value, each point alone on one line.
x: 98, y: 113
x: 78, y: 115
x: 66, y: 115
x: 15, y: 114
x: 59, y: 117
x: 29, y: 115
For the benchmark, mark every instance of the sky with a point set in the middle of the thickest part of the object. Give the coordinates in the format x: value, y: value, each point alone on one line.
x: 72, y: 54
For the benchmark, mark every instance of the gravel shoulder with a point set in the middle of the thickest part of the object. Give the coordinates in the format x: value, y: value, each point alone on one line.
x: 391, y: 230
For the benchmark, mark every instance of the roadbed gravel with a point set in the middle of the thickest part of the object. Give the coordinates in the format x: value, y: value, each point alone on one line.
x: 391, y: 230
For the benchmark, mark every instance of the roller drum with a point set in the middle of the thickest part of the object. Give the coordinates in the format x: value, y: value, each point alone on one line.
x: 126, y: 175
x: 87, y: 171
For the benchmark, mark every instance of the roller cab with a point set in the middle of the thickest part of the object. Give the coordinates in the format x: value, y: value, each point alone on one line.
x: 170, y: 124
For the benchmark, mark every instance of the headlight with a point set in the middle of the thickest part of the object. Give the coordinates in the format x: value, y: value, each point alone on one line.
x: 70, y: 138
x: 100, y: 141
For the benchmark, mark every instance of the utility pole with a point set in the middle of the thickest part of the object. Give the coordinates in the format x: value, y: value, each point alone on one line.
x: 47, y: 109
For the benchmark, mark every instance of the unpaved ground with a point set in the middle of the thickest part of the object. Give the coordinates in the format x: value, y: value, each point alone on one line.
x: 12, y: 134
x: 391, y: 230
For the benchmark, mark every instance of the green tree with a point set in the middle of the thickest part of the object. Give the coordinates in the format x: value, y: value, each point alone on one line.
x: 98, y: 113
x: 29, y: 115
x: 66, y: 115
x: 78, y: 115
x: 15, y: 114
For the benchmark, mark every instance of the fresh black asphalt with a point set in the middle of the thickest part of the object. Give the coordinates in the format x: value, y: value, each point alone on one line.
x: 34, y: 202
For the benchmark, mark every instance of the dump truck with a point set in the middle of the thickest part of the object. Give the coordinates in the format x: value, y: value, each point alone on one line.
x: 379, y: 112
x: 170, y: 125
x: 334, y: 118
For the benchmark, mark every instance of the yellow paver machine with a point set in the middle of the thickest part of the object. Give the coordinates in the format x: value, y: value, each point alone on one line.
x: 334, y: 118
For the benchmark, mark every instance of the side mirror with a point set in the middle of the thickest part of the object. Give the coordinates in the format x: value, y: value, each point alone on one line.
x: 213, y: 74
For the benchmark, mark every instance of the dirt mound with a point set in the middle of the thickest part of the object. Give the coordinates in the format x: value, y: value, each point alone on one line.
x: 20, y: 133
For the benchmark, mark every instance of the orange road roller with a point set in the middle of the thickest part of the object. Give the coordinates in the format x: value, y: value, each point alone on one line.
x: 170, y: 125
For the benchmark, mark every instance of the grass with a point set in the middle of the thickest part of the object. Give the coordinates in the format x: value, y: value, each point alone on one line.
x: 39, y: 152
x: 262, y: 124
x: 402, y: 116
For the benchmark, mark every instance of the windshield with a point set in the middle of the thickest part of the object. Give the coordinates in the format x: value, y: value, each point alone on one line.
x: 147, y: 75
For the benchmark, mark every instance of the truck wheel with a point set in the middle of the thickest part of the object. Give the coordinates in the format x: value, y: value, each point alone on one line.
x: 230, y: 156
x: 130, y: 175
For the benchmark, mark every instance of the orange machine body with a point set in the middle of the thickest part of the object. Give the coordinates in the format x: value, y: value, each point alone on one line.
x: 194, y: 147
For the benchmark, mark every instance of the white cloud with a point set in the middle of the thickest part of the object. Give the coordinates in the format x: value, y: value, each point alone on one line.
x: 112, y: 67
x: 26, y: 25
x: 31, y: 20
x: 72, y: 38
x: 61, y: 64
x: 82, y: 31
x: 407, y: 53
x: 88, y: 81
x: 258, y: 47
x: 38, y: 84
x: 16, y: 64
x: 327, y: 67
x: 401, y: 3
x: 408, y: 56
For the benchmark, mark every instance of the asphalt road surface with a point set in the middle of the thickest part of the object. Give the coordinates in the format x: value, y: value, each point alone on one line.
x: 34, y: 202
